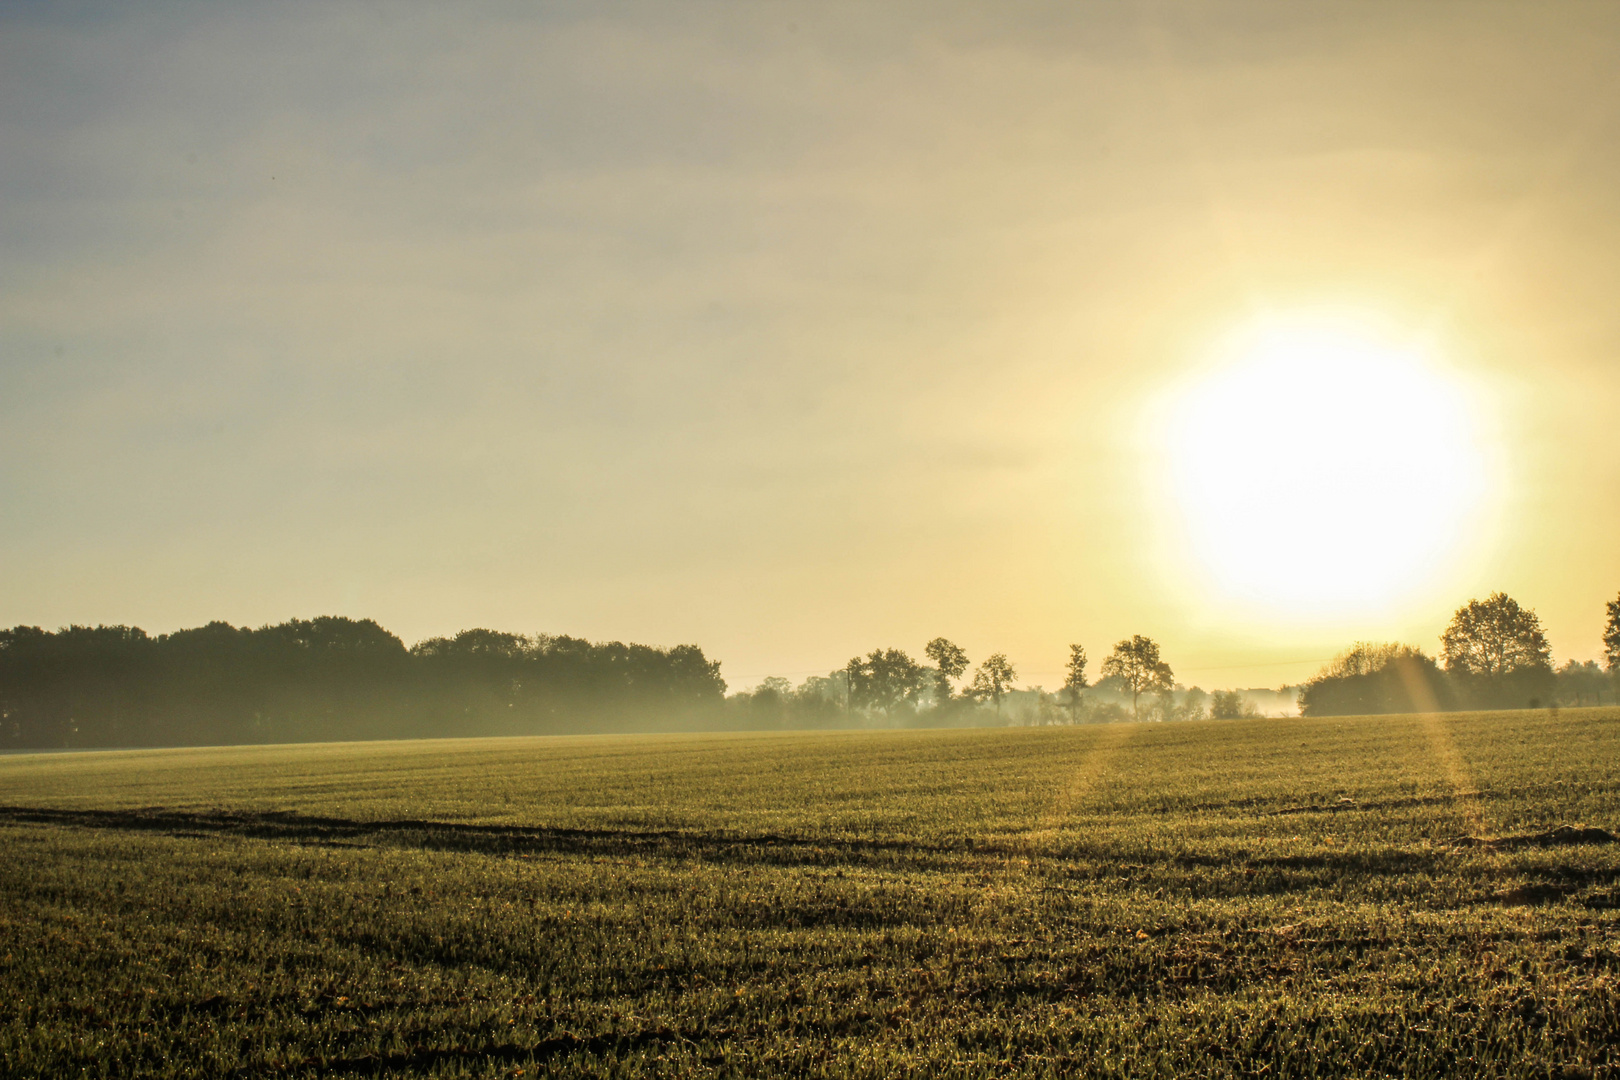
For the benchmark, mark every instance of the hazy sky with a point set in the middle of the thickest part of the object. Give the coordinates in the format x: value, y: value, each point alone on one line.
x: 788, y: 330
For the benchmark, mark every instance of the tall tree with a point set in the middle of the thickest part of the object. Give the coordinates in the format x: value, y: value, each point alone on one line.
x: 1611, y: 637
x: 852, y: 676
x: 1499, y: 651
x: 993, y: 679
x: 949, y: 664
x: 1137, y: 664
x: 1075, y: 680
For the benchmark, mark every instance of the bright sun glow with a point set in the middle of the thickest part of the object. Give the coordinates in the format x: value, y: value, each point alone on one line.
x: 1319, y: 467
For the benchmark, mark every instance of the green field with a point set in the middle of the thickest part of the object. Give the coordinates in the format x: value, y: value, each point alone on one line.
x: 1247, y: 898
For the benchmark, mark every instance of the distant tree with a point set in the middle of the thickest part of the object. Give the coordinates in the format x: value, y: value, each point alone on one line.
x: 1611, y: 638
x: 993, y: 679
x: 818, y: 702
x: 1048, y: 710
x: 852, y: 676
x: 1230, y: 705
x: 334, y: 634
x: 831, y: 689
x: 883, y: 680
x: 768, y: 703
x: 1499, y: 652
x: 684, y: 674
x: 1075, y: 680
x: 1582, y: 684
x: 1136, y: 663
x: 949, y: 663
x: 330, y: 678
x: 1170, y: 703
x: 1192, y: 705
x: 1369, y: 678
x: 480, y: 642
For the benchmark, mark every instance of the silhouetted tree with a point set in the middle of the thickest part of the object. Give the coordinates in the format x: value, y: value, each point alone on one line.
x: 769, y: 702
x: 883, y: 680
x: 993, y: 679
x: 1611, y: 638
x: 949, y: 664
x: 1498, y: 653
x: 1370, y: 678
x: 824, y: 695
x: 1074, y: 681
x: 1136, y: 663
x: 329, y: 678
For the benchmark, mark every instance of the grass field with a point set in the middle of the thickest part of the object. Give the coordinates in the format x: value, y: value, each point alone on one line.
x: 1257, y: 898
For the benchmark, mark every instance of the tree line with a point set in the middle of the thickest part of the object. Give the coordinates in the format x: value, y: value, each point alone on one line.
x: 888, y: 687
x: 1493, y: 655
x: 333, y: 678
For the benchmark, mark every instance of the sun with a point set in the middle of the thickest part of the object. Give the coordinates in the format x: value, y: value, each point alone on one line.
x: 1318, y: 466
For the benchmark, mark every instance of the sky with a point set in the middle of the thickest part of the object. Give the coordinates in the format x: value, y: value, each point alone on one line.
x: 797, y: 330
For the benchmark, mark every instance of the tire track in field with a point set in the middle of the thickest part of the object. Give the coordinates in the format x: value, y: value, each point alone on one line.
x: 505, y: 840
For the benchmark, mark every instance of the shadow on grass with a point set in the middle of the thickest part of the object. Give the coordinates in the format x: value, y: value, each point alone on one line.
x: 543, y: 1053
x: 299, y: 828
x: 1088, y: 860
